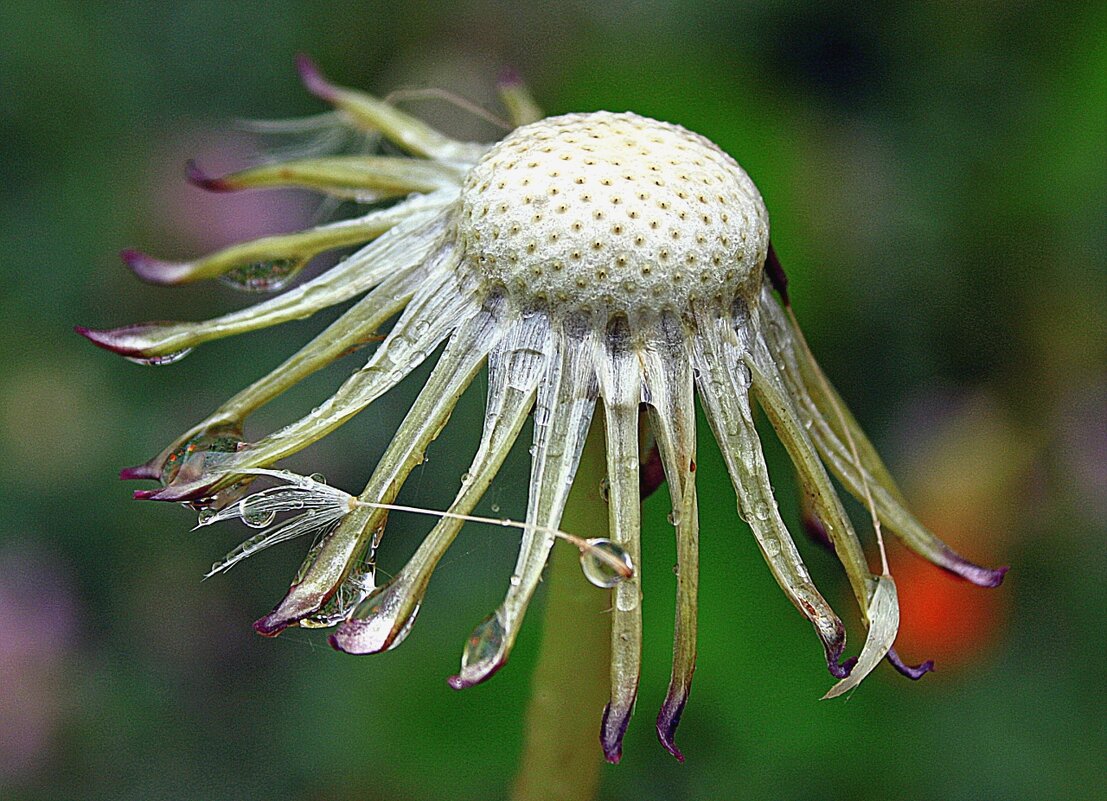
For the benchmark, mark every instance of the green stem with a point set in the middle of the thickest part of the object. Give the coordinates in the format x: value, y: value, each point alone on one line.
x: 561, y: 757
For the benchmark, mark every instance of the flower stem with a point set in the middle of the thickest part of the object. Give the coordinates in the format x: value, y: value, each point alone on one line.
x: 561, y: 752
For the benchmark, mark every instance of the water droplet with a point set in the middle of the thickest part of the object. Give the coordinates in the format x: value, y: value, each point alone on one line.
x: 674, y: 517
x: 253, y: 516
x: 465, y: 478
x: 351, y: 593
x: 262, y: 276
x: 761, y: 510
x: 483, y: 647
x: 205, y: 517
x: 605, y: 563
x: 318, y: 478
x: 158, y: 361
x: 772, y: 547
x: 495, y: 508
x: 193, y: 453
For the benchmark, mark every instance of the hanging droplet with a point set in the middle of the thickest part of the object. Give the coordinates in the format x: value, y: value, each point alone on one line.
x: 483, y: 646
x: 369, y: 627
x: 263, y: 276
x: 158, y: 361
x: 205, y: 517
x: 253, y: 516
x: 605, y: 563
x: 225, y: 440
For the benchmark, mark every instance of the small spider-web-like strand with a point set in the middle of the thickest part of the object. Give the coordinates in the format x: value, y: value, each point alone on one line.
x: 669, y: 382
x: 371, y: 113
x: 462, y: 359
x: 410, y: 238
x: 431, y: 317
x: 620, y: 382
x: 723, y: 383
x: 562, y: 416
x: 802, y: 383
x: 515, y: 367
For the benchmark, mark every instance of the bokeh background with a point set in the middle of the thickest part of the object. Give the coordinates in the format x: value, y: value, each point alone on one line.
x: 936, y: 179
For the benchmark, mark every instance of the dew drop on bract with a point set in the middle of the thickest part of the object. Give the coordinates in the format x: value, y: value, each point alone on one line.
x: 484, y: 644
x: 605, y: 563
x: 262, y: 276
x: 318, y: 478
x: 158, y: 361
x: 226, y: 440
x: 205, y: 516
x: 253, y: 516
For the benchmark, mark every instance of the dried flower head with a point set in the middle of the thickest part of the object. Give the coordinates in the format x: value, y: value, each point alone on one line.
x: 588, y: 256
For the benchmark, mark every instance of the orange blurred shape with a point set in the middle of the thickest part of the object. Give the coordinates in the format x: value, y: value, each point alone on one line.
x: 966, y: 482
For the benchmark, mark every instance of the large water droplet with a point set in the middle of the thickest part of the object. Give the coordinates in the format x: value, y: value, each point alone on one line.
x: 205, y: 517
x: 158, y: 361
x: 605, y: 563
x: 483, y: 646
x: 254, y: 515
x: 220, y: 441
x: 262, y: 276
x: 352, y: 591
x: 375, y: 618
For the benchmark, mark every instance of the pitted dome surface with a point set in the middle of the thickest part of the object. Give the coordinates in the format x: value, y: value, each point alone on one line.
x: 615, y: 211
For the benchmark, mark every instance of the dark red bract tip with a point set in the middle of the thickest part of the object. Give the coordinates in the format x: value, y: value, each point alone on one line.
x: 151, y: 270
x: 313, y: 79
x: 268, y: 627
x: 197, y: 177
x: 124, y: 341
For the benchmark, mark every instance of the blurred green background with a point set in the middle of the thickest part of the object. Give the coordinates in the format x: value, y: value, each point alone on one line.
x: 936, y: 179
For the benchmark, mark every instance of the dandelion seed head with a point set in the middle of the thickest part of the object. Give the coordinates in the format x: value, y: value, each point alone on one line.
x: 611, y: 211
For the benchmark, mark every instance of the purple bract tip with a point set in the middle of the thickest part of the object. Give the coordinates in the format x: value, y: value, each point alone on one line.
x: 667, y: 721
x: 154, y: 271
x: 197, y: 177
x: 128, y: 340
x: 652, y: 473
x: 312, y: 78
x: 612, y: 730
x: 145, y: 495
x: 775, y: 271
x: 140, y: 471
x: 974, y: 573
x: 268, y: 626
x: 816, y: 530
x: 913, y: 672
x: 509, y: 78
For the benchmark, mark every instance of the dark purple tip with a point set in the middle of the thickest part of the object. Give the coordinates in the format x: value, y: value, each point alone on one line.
x: 460, y: 682
x: 154, y: 271
x: 775, y: 271
x: 612, y: 729
x: 913, y: 672
x: 297, y: 604
x: 509, y: 78
x: 652, y: 474
x: 976, y: 574
x: 188, y: 491
x: 816, y: 531
x: 197, y: 177
x: 313, y: 79
x: 128, y: 340
x: 838, y: 667
x: 667, y: 721
x: 140, y: 471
